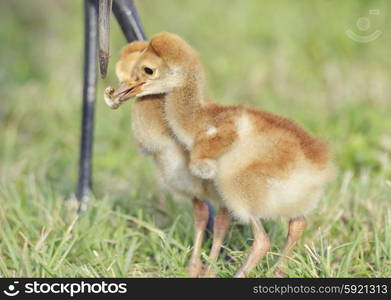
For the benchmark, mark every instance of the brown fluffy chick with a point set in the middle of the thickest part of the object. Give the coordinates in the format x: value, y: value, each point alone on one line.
x: 263, y: 165
x: 171, y: 159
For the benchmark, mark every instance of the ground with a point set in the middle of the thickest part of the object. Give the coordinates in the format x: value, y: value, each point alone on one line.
x: 289, y: 57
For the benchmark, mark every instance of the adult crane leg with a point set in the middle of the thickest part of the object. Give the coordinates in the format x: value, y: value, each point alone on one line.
x: 128, y: 19
x: 89, y: 94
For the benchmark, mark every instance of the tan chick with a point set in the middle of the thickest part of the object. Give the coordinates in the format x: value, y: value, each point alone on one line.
x: 171, y: 159
x: 263, y: 165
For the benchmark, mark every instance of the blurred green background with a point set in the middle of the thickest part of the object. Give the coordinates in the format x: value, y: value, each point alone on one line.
x: 290, y: 57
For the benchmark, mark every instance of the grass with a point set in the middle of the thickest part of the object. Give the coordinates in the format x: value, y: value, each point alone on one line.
x: 291, y: 58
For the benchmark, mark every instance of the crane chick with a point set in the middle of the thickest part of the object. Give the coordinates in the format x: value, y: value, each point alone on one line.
x: 263, y: 165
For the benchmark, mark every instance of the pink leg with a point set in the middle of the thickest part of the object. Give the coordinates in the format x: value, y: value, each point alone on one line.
x: 259, y: 248
x: 296, y: 228
x: 200, y: 214
x: 220, y: 229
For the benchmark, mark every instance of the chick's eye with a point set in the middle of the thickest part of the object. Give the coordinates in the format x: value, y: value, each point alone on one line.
x: 149, y: 71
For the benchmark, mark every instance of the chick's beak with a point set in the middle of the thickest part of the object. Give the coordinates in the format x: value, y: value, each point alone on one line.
x: 128, y: 90
x: 115, y: 97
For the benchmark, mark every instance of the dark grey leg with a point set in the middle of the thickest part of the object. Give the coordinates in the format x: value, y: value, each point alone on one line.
x: 211, y: 218
x: 89, y: 94
x: 128, y: 20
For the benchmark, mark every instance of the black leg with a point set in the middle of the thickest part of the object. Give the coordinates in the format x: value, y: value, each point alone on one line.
x: 89, y: 93
x: 128, y: 20
x: 211, y: 218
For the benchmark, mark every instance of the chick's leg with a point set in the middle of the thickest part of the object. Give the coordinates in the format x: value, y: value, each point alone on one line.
x: 296, y: 228
x: 200, y: 214
x: 259, y: 248
x: 220, y: 229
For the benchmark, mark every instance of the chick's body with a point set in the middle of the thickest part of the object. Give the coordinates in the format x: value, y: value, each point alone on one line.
x: 280, y: 170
